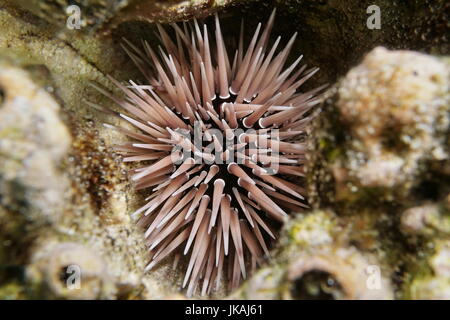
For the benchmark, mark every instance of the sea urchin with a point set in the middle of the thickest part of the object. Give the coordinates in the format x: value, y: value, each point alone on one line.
x: 215, y: 197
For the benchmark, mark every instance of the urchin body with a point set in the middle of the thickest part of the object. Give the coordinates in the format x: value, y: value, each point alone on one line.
x: 215, y: 199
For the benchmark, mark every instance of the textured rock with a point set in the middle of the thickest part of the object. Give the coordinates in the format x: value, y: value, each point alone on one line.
x: 392, y: 114
x: 436, y: 285
x: 33, y: 142
x: 70, y: 271
x: 395, y: 104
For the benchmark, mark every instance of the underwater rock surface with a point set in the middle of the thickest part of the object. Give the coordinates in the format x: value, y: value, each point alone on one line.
x: 378, y: 178
x: 380, y: 162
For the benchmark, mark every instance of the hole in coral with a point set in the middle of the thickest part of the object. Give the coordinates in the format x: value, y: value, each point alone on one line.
x: 64, y: 275
x: 2, y: 96
x: 392, y: 141
x: 428, y: 189
x: 316, y: 285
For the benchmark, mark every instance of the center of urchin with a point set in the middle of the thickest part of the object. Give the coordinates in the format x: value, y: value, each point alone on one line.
x: 222, y: 143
